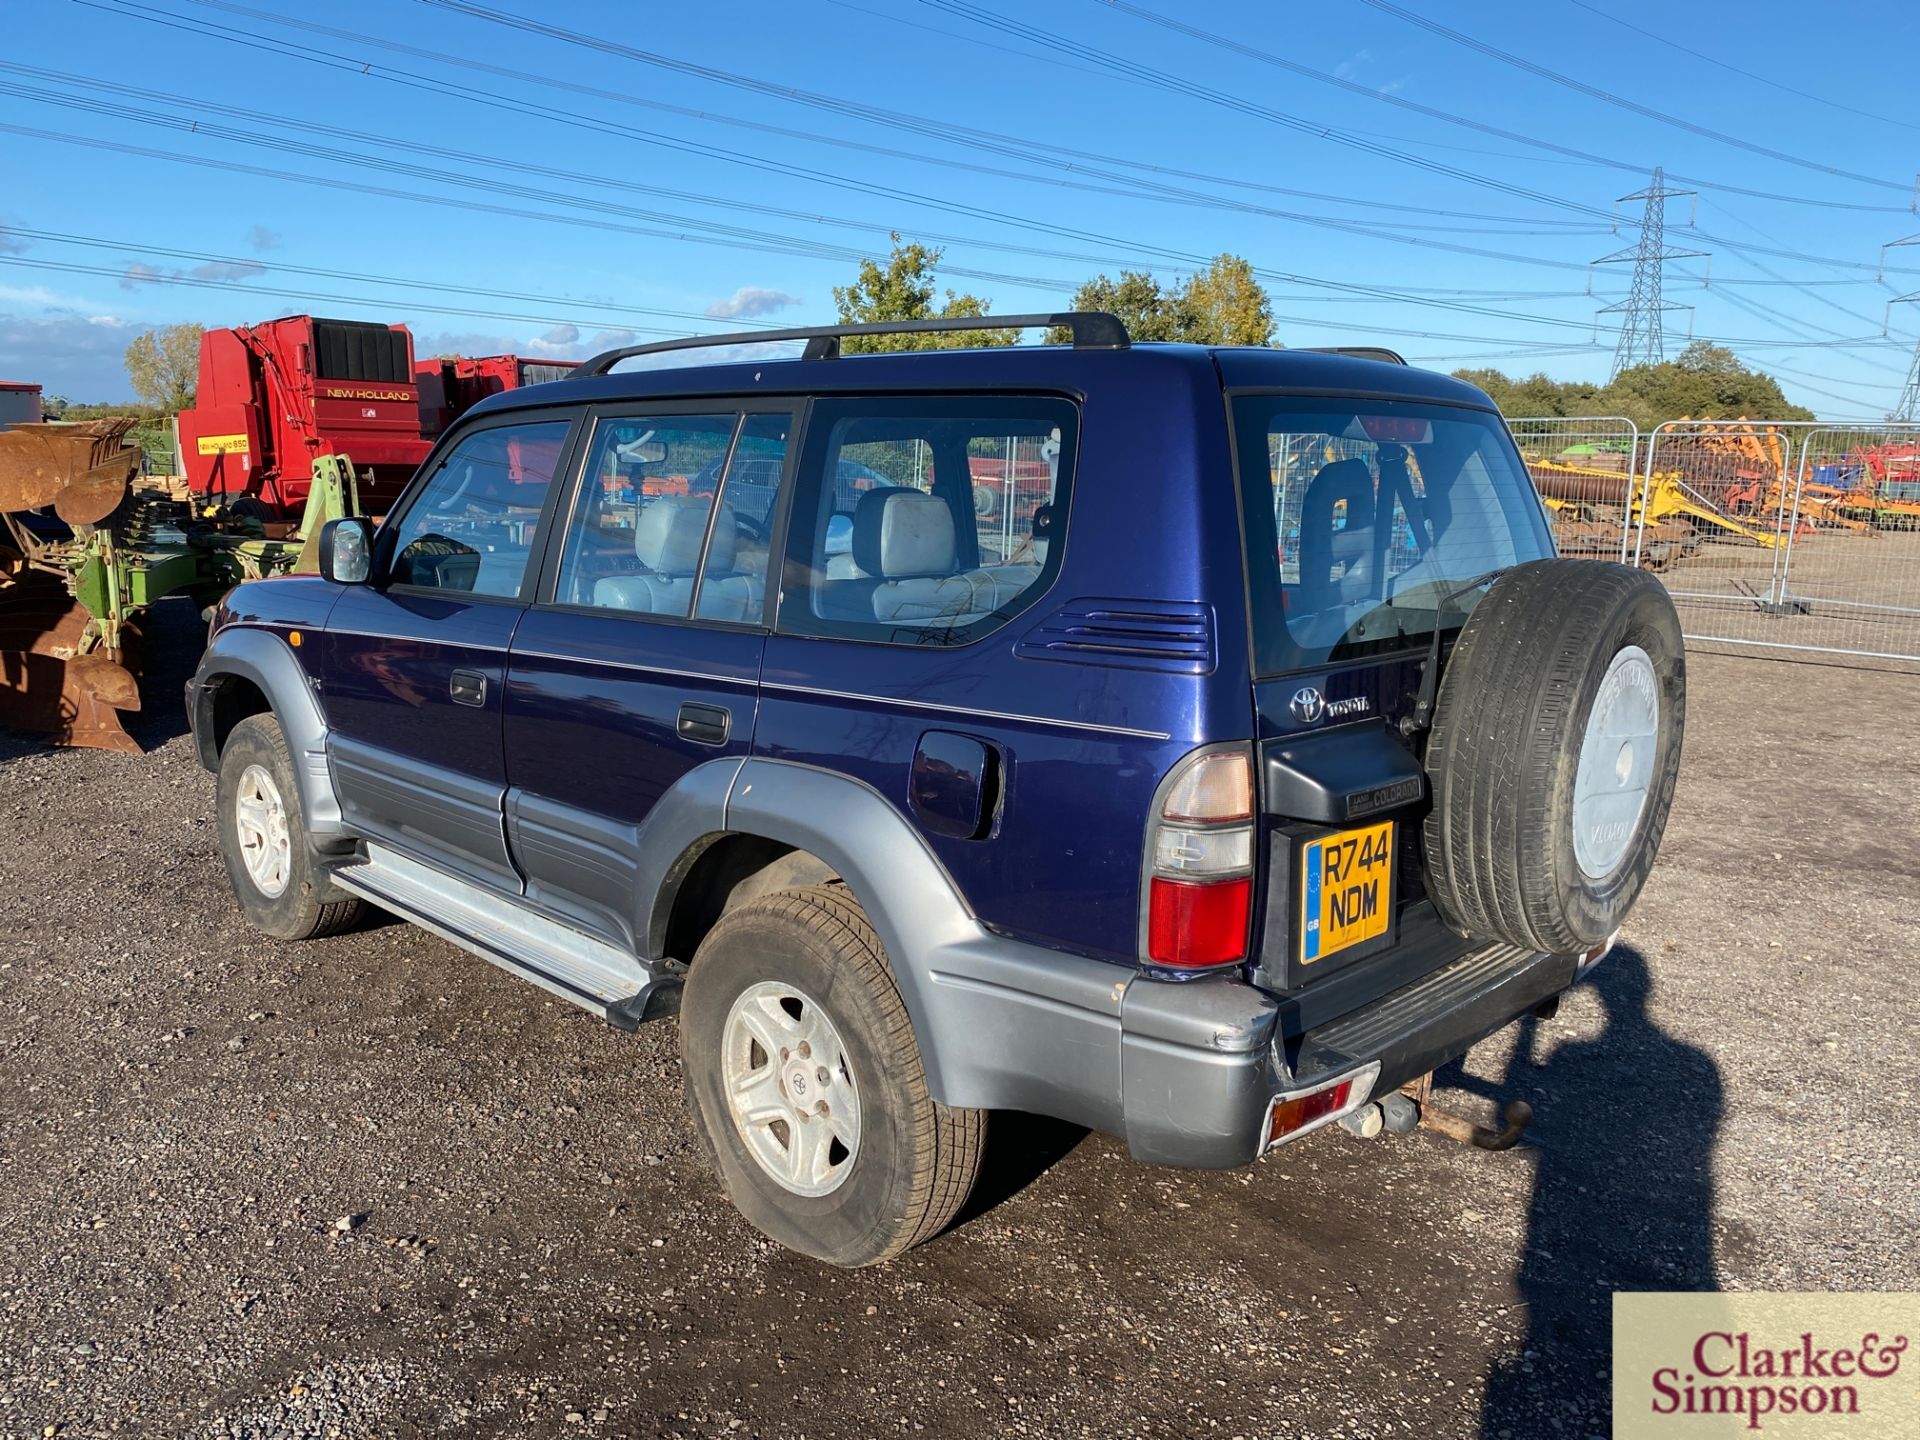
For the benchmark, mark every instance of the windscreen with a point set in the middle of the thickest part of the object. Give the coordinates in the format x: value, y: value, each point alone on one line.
x: 1364, y: 517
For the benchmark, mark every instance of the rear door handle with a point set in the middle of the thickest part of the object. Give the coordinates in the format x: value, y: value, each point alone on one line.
x: 467, y: 687
x: 704, y: 724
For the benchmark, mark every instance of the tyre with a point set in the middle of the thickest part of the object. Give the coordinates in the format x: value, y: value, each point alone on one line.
x: 986, y: 501
x: 263, y: 838
x: 806, y: 1086
x: 1553, y: 755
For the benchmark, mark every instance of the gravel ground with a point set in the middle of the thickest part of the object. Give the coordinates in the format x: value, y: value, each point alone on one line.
x: 372, y: 1186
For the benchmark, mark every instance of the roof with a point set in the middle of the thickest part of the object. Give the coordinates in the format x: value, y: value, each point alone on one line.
x: 1026, y: 367
x: 18, y: 385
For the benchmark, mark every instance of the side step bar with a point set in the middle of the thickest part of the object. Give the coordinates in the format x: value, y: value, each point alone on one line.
x: 598, y: 977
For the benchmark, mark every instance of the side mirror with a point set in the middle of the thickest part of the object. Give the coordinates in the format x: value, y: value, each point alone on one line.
x: 346, y: 551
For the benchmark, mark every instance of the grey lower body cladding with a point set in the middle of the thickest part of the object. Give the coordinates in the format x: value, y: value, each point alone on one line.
x: 1195, y: 1067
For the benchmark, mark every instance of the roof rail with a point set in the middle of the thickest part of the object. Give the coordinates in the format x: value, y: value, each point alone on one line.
x: 1091, y: 330
x: 1359, y: 352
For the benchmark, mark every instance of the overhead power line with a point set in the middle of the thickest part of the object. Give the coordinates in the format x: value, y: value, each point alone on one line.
x: 363, y: 156
x: 1126, y: 186
x: 64, y: 267
x: 1726, y: 65
x: 1061, y: 158
x: 1034, y: 152
x: 611, y: 313
x: 1160, y: 79
x: 1507, y: 57
x: 1402, y: 102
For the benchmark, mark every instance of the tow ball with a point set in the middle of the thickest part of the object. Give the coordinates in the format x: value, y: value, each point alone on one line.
x: 1412, y: 1107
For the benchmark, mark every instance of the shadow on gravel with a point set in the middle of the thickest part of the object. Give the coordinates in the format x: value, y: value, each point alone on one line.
x: 173, y: 635
x: 1020, y: 1149
x: 1623, y: 1199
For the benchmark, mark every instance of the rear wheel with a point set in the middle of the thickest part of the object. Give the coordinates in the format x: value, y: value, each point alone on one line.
x: 263, y: 838
x: 807, y: 1088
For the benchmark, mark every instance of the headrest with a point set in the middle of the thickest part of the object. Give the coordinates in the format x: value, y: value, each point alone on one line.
x: 672, y: 528
x: 1348, y: 480
x: 900, y: 533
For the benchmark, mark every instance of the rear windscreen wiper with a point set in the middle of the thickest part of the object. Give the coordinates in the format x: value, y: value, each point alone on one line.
x: 1422, y: 716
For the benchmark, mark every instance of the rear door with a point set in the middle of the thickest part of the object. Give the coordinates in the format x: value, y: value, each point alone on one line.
x: 415, y: 663
x: 642, y: 660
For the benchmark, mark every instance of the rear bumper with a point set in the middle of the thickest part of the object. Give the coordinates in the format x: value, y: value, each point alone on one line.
x: 1202, y: 1063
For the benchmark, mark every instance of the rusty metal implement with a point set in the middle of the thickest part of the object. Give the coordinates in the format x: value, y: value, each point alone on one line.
x: 58, y: 674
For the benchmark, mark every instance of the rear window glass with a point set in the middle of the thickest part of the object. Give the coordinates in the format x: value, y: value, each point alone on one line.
x: 1362, y: 518
x: 926, y: 521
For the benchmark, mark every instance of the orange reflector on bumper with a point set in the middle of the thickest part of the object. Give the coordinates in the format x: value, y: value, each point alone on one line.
x: 1290, y: 1116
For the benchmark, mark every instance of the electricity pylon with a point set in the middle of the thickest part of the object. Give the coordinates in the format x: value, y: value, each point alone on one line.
x: 1642, y: 337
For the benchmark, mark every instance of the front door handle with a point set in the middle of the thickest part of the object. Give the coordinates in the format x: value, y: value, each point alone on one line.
x: 704, y: 724
x: 467, y: 687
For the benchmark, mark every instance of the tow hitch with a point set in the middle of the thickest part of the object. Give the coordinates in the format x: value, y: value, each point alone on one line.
x: 1429, y: 1116
x: 1411, y: 1107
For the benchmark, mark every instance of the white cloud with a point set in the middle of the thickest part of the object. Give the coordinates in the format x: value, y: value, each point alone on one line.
x: 35, y: 295
x: 9, y: 245
x: 81, y: 358
x: 749, y: 301
x: 561, y: 337
x: 261, y: 238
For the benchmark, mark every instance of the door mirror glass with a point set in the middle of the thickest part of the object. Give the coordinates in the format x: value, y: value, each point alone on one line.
x: 346, y: 551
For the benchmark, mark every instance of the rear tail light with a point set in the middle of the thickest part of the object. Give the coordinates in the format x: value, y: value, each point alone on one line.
x: 1200, y: 848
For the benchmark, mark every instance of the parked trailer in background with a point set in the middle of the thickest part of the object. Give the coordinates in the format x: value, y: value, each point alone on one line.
x: 275, y: 396
x: 19, y: 403
x: 451, y: 385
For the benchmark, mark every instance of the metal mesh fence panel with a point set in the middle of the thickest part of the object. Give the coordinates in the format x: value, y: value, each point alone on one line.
x: 1786, y: 537
x: 1851, y: 573
x: 1584, y: 467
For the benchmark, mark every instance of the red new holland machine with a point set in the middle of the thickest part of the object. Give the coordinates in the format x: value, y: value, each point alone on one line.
x: 451, y: 385
x: 274, y: 396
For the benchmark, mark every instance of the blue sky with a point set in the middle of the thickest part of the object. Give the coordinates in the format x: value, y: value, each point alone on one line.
x: 694, y: 167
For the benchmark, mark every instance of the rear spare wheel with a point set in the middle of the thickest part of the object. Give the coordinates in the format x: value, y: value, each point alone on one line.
x: 1553, y: 754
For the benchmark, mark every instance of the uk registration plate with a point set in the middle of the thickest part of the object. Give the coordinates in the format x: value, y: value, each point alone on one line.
x: 1346, y: 890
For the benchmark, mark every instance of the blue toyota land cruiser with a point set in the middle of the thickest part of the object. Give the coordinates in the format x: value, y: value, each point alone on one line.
x: 1200, y: 745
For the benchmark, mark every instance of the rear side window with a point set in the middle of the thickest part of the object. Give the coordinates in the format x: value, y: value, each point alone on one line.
x: 639, y: 526
x: 1363, y: 518
x: 474, y: 522
x: 926, y: 521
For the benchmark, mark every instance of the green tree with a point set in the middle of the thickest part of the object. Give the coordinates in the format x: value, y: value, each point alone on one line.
x: 1136, y: 297
x: 904, y: 288
x: 1707, y: 381
x: 1225, y: 305
x: 1221, y: 305
x: 164, y: 366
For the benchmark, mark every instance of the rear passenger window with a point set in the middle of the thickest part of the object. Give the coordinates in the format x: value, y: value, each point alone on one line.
x: 926, y: 521
x: 473, y: 524
x: 639, y: 525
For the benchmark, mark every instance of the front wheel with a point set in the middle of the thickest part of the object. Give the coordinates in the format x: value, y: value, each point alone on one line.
x: 807, y: 1088
x: 263, y: 838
